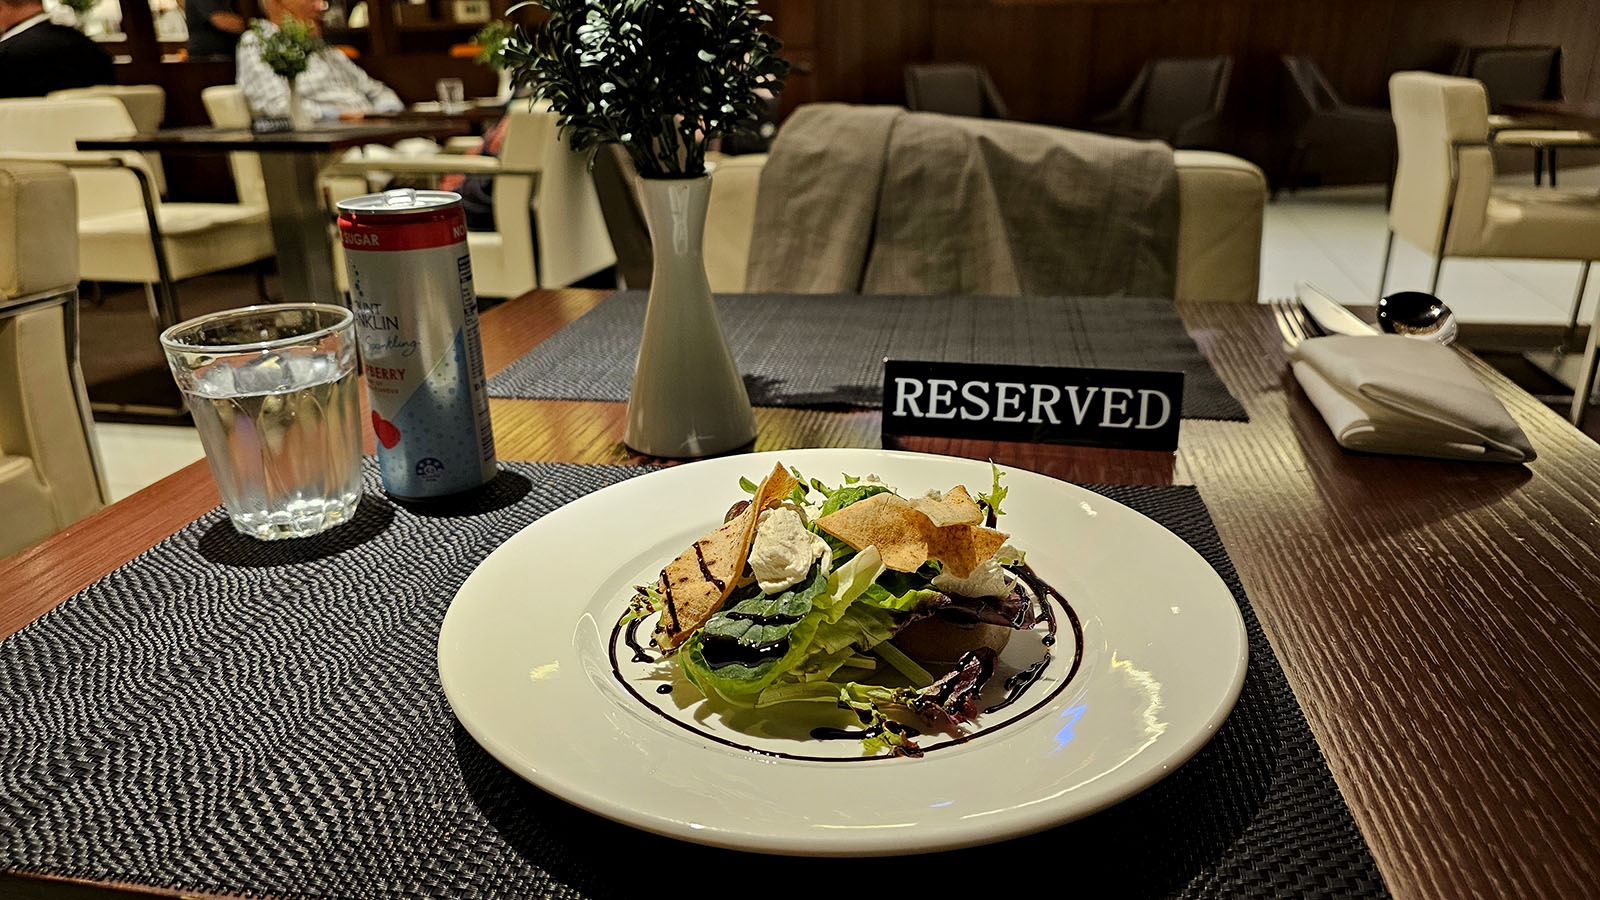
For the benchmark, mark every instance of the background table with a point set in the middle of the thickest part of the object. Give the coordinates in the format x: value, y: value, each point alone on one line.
x: 1580, y: 114
x: 1439, y: 621
x: 290, y: 162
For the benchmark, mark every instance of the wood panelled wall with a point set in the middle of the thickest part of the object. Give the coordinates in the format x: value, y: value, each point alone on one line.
x: 1060, y: 61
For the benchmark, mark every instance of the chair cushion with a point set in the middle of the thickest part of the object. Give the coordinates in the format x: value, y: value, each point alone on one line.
x: 1541, y: 224
x: 200, y: 238
x: 1538, y: 137
x: 175, y: 218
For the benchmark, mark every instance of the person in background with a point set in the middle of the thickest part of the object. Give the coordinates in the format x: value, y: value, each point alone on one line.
x: 214, y: 28
x: 477, y: 191
x: 332, y: 87
x: 38, y: 56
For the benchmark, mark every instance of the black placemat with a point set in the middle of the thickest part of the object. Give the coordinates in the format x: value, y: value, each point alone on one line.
x: 826, y: 350
x: 226, y: 715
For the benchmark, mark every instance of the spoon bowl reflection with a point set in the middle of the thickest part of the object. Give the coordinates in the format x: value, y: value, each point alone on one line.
x: 1417, y: 314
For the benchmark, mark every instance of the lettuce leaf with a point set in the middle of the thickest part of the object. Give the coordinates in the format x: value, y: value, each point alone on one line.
x: 848, y: 581
x: 769, y: 634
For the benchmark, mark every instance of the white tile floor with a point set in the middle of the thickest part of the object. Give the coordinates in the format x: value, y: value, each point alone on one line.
x: 1331, y: 237
x: 135, y: 456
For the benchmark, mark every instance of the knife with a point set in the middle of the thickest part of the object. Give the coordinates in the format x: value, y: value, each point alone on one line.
x: 1330, y: 313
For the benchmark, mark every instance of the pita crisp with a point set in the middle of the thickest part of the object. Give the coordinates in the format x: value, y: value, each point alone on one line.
x: 697, y: 583
x: 907, y: 536
x: 956, y: 507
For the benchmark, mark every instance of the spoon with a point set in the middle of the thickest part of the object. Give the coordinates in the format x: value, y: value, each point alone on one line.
x: 1417, y: 314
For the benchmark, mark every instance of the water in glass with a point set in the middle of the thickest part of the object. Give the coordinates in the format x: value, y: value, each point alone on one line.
x: 273, y: 394
x: 287, y: 461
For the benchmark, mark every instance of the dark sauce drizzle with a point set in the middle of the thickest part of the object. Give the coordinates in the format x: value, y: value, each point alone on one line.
x: 705, y: 570
x: 666, y: 593
x: 1018, y: 684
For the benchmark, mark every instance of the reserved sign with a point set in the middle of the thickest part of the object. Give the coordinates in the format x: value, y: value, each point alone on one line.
x: 1128, y: 408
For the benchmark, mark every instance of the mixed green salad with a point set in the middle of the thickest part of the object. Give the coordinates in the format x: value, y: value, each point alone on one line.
x: 802, y: 594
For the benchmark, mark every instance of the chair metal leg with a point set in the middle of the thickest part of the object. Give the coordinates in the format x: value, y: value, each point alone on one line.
x: 260, y: 269
x: 1585, y: 386
x: 1433, y: 283
x: 1538, y: 166
x: 1577, y: 304
x: 164, y: 308
x: 1290, y: 177
x: 1388, y: 252
x: 1551, y: 152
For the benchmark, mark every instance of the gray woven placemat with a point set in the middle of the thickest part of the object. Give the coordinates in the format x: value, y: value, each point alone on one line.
x: 823, y: 350
x: 248, y: 718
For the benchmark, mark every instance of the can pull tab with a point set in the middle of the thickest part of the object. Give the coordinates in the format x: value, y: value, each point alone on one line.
x: 400, y: 198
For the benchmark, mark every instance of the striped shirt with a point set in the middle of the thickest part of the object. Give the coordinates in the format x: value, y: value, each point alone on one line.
x: 330, y: 85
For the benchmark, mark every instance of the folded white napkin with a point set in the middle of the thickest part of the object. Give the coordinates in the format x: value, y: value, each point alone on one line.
x: 1384, y: 393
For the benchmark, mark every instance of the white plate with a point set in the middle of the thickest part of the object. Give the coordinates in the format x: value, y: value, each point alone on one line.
x: 525, y: 658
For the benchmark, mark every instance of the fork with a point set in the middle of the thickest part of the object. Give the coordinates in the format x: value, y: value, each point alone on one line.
x: 1294, y: 323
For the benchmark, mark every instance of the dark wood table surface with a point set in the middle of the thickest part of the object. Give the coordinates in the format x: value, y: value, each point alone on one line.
x: 1438, y: 621
x: 1582, y: 114
x: 329, y: 138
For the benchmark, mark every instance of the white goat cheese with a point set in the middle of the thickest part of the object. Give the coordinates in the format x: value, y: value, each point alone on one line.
x: 987, y: 580
x: 783, y: 550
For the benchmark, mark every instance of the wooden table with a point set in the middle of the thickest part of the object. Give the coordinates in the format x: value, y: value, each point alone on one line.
x: 1439, y: 621
x: 1580, y: 114
x: 290, y: 164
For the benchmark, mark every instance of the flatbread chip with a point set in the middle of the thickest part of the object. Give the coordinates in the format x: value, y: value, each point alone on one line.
x: 906, y: 537
x: 956, y: 507
x: 963, y: 548
x: 700, y: 579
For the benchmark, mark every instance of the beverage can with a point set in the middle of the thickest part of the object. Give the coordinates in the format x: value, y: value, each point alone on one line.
x: 417, y: 327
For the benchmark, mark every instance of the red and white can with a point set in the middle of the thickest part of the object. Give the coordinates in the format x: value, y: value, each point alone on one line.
x: 417, y: 326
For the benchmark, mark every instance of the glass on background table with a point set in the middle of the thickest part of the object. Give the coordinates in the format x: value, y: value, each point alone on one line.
x: 272, y: 390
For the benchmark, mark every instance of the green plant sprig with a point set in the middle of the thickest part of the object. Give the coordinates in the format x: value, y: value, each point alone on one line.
x: 80, y: 8
x: 287, y: 49
x: 660, y: 77
x: 492, y: 38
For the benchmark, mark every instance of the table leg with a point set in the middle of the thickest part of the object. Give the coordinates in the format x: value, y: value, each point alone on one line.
x: 300, y: 228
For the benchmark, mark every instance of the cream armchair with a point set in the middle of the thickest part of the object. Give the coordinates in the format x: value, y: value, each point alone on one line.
x: 1446, y: 203
x: 147, y: 107
x: 125, y: 232
x: 50, y: 472
x: 1221, y: 202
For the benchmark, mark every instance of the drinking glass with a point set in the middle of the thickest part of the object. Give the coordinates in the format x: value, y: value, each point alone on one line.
x: 452, y: 95
x: 273, y: 393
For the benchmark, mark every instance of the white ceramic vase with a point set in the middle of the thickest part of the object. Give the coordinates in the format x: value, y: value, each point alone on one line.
x: 688, y: 398
x: 299, y: 119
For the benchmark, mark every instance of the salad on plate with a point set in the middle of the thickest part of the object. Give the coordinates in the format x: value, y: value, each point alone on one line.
x: 896, y: 608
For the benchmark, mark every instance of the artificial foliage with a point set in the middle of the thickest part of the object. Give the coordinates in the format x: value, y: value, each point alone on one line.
x: 80, y: 8
x: 287, y: 49
x: 492, y: 38
x: 660, y: 77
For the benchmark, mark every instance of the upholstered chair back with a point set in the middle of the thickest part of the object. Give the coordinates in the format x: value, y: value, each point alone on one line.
x: 954, y: 89
x: 1177, y: 90
x: 146, y: 105
x: 572, y: 238
x: 1513, y: 73
x: 1433, y: 115
x: 44, y: 125
x: 226, y: 107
